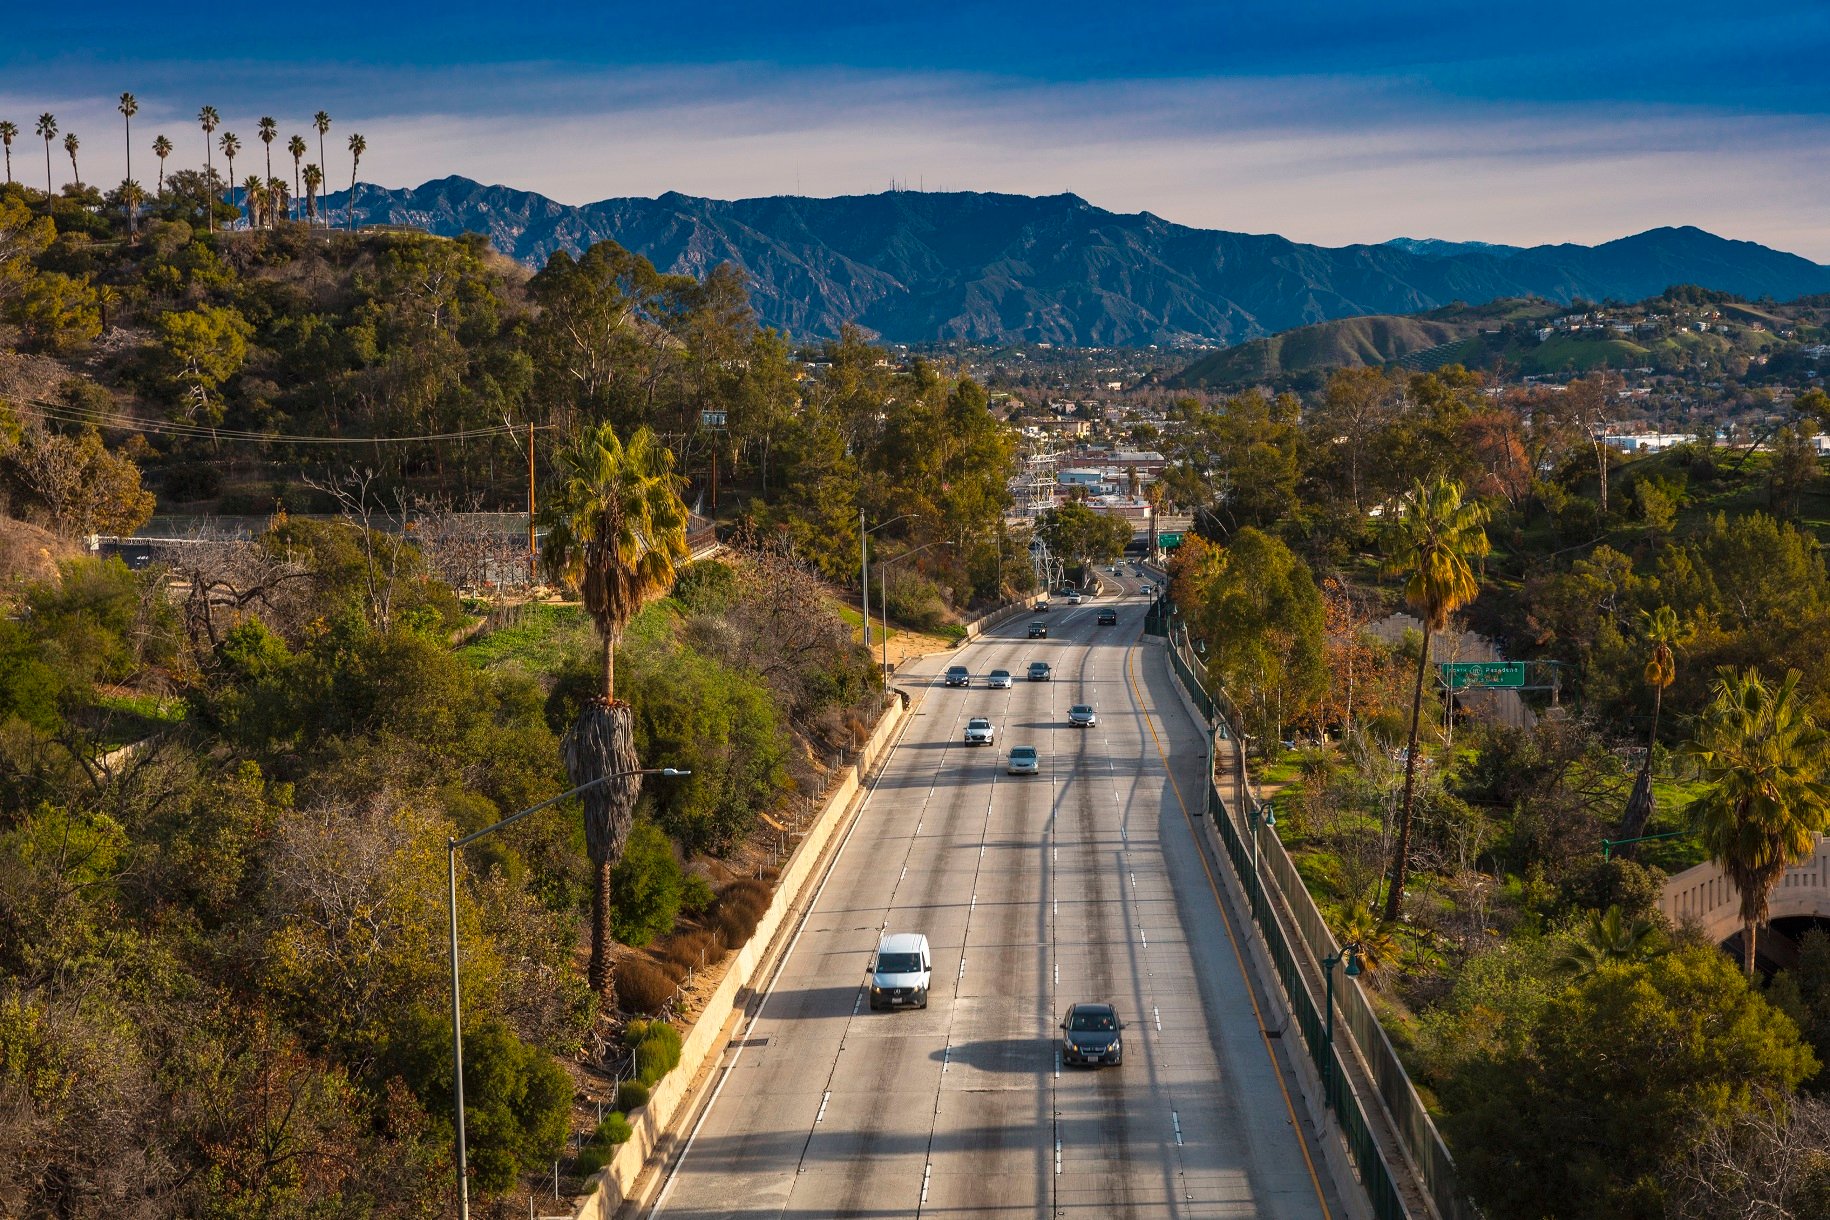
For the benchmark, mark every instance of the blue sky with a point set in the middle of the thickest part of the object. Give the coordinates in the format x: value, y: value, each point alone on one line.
x: 1325, y: 121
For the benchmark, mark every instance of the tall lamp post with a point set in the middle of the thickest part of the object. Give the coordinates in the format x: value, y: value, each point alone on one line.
x: 1349, y: 953
x: 452, y: 847
x: 864, y: 568
x: 1262, y: 815
x: 883, y: 601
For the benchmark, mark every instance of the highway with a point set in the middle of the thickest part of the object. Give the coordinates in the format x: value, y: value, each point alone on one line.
x: 1082, y: 883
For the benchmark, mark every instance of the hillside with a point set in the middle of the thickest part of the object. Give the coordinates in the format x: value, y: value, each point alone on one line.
x: 1380, y: 339
x: 919, y: 267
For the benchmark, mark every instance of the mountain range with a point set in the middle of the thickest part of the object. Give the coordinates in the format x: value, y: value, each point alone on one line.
x: 919, y: 267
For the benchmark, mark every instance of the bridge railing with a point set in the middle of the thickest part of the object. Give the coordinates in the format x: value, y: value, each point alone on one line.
x: 1275, y: 878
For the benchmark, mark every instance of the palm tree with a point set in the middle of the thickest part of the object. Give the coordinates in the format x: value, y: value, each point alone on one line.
x: 314, y: 178
x: 357, y: 146
x: 1664, y: 633
x: 129, y: 106
x: 1430, y: 544
x: 296, y: 146
x: 1609, y: 937
x: 162, y: 148
x: 255, y: 192
x: 1767, y: 765
x: 269, y: 132
x: 616, y: 529
x: 279, y: 197
x: 8, y: 130
x: 71, y: 144
x: 231, y: 145
x: 47, y: 127
x: 321, y: 121
x: 209, y: 119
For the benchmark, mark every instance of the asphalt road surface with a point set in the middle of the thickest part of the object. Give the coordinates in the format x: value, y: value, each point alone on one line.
x: 1082, y: 883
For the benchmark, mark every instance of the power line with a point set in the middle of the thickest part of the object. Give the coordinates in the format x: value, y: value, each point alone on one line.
x: 95, y: 417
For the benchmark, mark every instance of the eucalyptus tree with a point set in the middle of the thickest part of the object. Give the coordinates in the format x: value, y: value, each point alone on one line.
x: 129, y: 105
x: 296, y: 146
x: 230, y: 144
x: 208, y: 119
x: 47, y: 127
x: 357, y: 146
x: 1766, y: 764
x: 1431, y: 544
x: 162, y: 148
x: 8, y: 130
x: 615, y: 533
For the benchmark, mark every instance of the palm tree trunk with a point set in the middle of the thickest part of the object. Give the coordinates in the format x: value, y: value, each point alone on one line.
x: 1401, y: 854
x: 1747, y: 947
x: 610, y: 638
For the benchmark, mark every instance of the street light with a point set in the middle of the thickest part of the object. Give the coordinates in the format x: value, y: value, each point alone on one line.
x: 883, y: 589
x: 457, y: 1020
x: 864, y: 567
x: 1350, y: 953
x: 1262, y: 815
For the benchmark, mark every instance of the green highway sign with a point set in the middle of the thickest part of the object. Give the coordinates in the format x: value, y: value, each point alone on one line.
x: 1461, y: 675
x: 1168, y: 541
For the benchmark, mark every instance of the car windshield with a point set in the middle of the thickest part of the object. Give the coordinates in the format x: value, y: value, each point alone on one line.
x: 957, y: 672
x: 1086, y: 1022
x: 1039, y: 665
x: 899, y: 963
x: 978, y: 722
x: 1079, y: 709
x: 1000, y: 673
x: 1023, y: 752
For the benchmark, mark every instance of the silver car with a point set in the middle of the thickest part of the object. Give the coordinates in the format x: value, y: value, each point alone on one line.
x: 1023, y: 761
x: 1081, y: 716
x: 998, y: 679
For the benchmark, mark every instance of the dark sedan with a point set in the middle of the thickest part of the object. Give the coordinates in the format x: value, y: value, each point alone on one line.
x: 1092, y: 1034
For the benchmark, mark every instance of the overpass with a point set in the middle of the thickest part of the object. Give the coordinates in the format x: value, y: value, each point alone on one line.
x: 1704, y: 895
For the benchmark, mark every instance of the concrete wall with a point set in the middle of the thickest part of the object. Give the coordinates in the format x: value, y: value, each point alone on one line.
x: 653, y: 1122
x: 1706, y: 896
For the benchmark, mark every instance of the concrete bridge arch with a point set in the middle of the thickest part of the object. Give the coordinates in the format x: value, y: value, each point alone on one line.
x: 1704, y: 895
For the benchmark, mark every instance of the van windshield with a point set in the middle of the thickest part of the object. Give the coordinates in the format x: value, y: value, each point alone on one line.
x: 899, y: 963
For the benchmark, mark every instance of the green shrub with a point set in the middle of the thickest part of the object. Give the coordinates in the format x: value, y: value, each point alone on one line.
x: 645, y: 887
x: 643, y: 986
x: 602, y: 1145
x: 696, y: 894
x: 614, y: 1130
x: 631, y: 1095
x: 657, y: 1049
x: 706, y: 587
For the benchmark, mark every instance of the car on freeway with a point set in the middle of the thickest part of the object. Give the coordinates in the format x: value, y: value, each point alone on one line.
x: 1039, y: 671
x: 1023, y: 761
x: 998, y: 679
x: 958, y: 675
x: 1092, y: 1034
x: 1082, y: 716
x: 1038, y: 630
x: 1148, y: 590
x: 1108, y: 618
x: 1073, y: 597
x: 979, y: 731
x: 1042, y: 605
x: 901, y: 970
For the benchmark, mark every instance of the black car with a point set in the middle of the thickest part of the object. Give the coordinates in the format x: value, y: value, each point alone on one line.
x: 1092, y: 1034
x: 959, y: 675
x: 1108, y: 618
x: 1038, y: 631
x: 1038, y: 671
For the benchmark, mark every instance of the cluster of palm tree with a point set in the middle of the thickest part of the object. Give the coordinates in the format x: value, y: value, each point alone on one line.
x: 266, y: 199
x: 1764, y: 760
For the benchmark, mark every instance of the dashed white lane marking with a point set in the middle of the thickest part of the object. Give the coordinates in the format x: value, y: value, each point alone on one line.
x: 1159, y: 1018
x: 962, y: 969
x: 1133, y: 880
x: 1057, y: 1158
x: 905, y: 874
x: 821, y: 1116
x: 1057, y: 1063
x: 1057, y: 974
x: 1141, y: 936
x: 858, y: 1004
x: 1177, y: 1120
x: 924, y: 1180
x: 946, y: 1059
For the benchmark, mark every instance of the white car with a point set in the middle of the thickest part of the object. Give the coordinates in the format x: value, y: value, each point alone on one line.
x: 1073, y: 598
x: 979, y: 731
x: 1082, y: 716
x: 1024, y: 761
x: 998, y: 679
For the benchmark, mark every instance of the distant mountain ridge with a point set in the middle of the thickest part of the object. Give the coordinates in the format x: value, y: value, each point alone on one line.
x: 917, y: 267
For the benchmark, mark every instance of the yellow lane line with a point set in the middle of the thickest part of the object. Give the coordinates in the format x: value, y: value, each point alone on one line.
x: 1226, y: 918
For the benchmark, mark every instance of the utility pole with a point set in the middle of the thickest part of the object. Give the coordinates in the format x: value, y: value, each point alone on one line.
x: 864, y: 579
x: 533, y: 548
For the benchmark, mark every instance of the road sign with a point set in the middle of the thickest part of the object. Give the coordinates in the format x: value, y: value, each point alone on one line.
x: 1463, y: 675
x: 1169, y: 541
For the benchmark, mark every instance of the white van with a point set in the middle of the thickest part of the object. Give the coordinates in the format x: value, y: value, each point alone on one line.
x: 900, y: 970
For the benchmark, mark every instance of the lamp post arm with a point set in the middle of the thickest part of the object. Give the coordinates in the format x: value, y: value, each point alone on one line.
x: 512, y: 818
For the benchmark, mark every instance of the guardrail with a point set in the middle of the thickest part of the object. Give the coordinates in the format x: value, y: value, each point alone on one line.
x: 1274, y: 878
